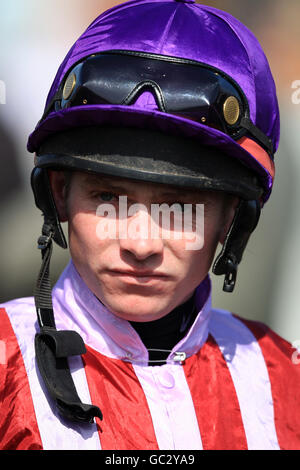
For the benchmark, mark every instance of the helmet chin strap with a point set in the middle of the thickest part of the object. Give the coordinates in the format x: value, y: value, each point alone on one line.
x: 244, y: 222
x: 53, y: 347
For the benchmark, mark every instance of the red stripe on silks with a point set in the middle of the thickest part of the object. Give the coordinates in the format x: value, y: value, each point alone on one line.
x: 18, y: 425
x: 215, y: 400
x: 114, y: 387
x: 284, y: 373
x: 258, y: 153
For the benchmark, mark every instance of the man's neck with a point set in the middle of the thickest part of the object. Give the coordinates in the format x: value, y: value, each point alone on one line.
x: 163, y: 334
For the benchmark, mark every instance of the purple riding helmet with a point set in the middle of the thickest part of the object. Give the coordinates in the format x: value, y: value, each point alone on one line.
x: 162, y: 91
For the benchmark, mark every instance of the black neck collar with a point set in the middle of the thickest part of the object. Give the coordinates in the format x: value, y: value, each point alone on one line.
x: 164, y: 333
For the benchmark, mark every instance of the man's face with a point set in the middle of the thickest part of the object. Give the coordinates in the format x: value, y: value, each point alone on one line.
x: 137, y: 274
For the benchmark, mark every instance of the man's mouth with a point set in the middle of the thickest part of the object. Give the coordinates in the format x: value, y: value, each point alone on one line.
x: 139, y: 275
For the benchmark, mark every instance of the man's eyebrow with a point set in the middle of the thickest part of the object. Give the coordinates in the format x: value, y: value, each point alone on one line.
x: 173, y: 193
x: 107, y: 183
x: 94, y: 180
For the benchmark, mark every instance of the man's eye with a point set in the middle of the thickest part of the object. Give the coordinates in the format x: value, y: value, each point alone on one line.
x: 107, y: 197
x: 186, y: 207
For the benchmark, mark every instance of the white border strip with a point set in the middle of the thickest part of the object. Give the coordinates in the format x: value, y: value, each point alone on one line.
x: 56, y: 434
x: 250, y: 376
x: 171, y: 406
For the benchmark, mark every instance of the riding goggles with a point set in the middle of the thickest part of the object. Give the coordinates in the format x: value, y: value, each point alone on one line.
x: 181, y: 87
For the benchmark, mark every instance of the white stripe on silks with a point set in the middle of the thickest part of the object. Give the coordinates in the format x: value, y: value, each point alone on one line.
x: 171, y: 406
x: 55, y: 435
x: 250, y: 376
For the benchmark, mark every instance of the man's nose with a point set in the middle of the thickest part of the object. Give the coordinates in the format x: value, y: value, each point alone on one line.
x: 139, y: 236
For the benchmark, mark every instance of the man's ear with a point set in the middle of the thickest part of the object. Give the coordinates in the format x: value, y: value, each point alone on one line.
x: 229, y: 209
x: 58, y: 186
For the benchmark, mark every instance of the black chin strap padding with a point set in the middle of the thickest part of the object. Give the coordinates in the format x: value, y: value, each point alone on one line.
x: 244, y: 222
x: 44, y: 201
x: 53, y: 347
x: 64, y: 342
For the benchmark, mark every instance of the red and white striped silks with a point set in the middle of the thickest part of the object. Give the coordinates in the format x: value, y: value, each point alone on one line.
x: 237, y: 389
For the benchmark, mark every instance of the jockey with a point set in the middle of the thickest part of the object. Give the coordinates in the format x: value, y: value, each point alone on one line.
x: 156, y: 144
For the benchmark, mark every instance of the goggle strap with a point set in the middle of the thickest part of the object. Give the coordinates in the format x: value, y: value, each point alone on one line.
x: 56, y: 98
x: 257, y: 133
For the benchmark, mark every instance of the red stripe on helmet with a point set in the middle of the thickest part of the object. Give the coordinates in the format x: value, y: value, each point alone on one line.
x: 258, y: 153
